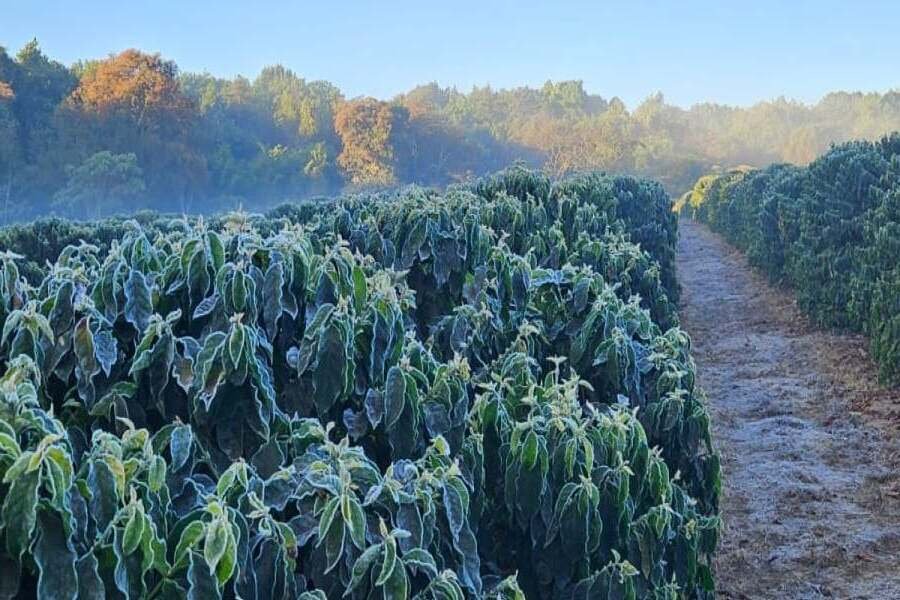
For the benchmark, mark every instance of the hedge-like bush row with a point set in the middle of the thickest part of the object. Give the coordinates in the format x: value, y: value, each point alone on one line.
x: 830, y: 230
x: 465, y: 395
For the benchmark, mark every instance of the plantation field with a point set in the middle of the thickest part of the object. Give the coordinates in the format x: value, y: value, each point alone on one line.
x: 831, y: 231
x: 481, y: 393
x: 449, y: 301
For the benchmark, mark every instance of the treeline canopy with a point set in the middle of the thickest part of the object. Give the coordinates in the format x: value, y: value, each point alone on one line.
x: 132, y: 131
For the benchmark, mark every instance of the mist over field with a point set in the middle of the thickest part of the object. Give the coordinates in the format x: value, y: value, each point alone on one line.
x: 132, y: 131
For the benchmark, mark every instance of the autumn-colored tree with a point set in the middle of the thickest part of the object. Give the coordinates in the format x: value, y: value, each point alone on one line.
x: 364, y: 127
x: 204, y: 142
x: 132, y: 103
x: 803, y: 146
x: 142, y: 86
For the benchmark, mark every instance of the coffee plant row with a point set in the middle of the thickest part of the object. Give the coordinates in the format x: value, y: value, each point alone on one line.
x: 476, y: 394
x: 830, y: 230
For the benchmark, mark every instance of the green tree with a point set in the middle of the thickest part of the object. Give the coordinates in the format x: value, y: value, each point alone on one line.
x: 101, y: 185
x: 9, y: 146
x: 35, y: 86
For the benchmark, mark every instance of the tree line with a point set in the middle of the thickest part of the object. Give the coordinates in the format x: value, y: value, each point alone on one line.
x: 131, y: 130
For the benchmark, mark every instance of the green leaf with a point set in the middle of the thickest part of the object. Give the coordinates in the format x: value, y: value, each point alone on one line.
x: 327, y: 518
x: 289, y: 538
x: 331, y: 367
x: 225, y: 481
x: 191, y: 247
x: 389, y: 563
x: 413, y: 243
x: 239, y: 291
x: 397, y: 585
x: 334, y: 544
x: 156, y: 475
x: 394, y: 396
x: 272, y: 295
x: 236, y: 345
x: 227, y: 564
x: 218, y: 534
x: 19, y: 466
x: 374, y: 407
x: 83, y: 343
x: 530, y: 450
x: 197, y: 275
x: 206, y: 306
x: 138, y: 300
x: 11, y: 324
x: 104, y: 502
x: 20, y: 512
x: 216, y: 250
x: 202, y: 585
x: 9, y: 446
x: 360, y: 289
x: 61, y: 473
x: 361, y: 567
x: 55, y: 559
x: 190, y: 536
x: 355, y: 519
x: 154, y: 550
x: 120, y: 390
x: 456, y: 510
x: 382, y: 340
x: 134, y: 531
x: 90, y: 585
x: 421, y: 559
x: 105, y: 350
x: 180, y: 446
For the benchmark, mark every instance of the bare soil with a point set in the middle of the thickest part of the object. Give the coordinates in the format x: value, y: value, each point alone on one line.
x: 809, y: 441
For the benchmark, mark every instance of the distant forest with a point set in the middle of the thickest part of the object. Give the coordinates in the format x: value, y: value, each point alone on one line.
x: 131, y: 131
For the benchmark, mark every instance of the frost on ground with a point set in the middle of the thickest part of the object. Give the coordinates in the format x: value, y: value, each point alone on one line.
x: 809, y: 441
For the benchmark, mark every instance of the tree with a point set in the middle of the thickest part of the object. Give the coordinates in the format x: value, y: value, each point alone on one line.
x: 9, y: 145
x: 803, y: 146
x: 316, y: 114
x: 565, y: 97
x: 142, y: 86
x: 132, y: 103
x: 35, y: 85
x: 40, y: 84
x: 425, y: 100
x: 364, y: 127
x: 102, y: 184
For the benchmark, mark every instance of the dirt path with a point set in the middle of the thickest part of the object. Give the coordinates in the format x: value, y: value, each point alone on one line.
x: 809, y: 443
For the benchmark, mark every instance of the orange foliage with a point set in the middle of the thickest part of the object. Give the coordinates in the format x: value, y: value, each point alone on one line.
x: 140, y: 85
x: 364, y: 127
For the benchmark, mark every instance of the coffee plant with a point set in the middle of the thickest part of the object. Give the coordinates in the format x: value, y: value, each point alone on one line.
x: 828, y: 230
x: 481, y: 393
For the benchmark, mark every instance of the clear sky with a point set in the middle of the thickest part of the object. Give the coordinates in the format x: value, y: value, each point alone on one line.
x: 724, y: 51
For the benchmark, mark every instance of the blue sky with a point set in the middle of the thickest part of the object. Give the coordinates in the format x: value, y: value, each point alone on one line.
x: 730, y: 52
